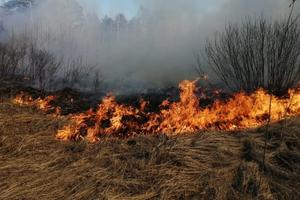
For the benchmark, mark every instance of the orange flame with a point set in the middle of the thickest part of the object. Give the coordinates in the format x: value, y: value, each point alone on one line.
x: 242, y: 111
x: 23, y: 99
x: 43, y: 104
x: 77, y: 129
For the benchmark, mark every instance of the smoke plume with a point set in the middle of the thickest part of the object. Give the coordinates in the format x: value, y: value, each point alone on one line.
x: 155, y: 48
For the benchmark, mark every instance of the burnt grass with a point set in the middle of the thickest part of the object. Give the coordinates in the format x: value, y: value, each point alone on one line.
x: 211, y: 165
x: 72, y: 101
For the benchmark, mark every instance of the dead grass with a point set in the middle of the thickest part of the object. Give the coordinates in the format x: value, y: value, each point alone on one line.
x: 34, y: 165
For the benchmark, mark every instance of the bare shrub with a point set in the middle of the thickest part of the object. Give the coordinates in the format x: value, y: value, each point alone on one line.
x: 30, y: 62
x: 12, y: 53
x: 97, y: 81
x: 43, y: 67
x: 76, y: 73
x: 257, y: 54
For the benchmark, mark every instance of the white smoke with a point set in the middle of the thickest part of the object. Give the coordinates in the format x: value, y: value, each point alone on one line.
x: 155, y: 48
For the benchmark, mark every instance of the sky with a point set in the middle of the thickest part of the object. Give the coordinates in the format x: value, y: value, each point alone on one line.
x: 113, y: 7
x: 131, y: 7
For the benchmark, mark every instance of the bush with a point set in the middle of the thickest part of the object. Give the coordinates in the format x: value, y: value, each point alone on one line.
x: 12, y: 53
x: 257, y: 54
x: 23, y: 60
x: 43, y: 67
x: 77, y: 74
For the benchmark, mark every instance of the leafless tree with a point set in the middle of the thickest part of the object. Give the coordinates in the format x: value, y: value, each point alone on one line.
x: 257, y: 54
x: 26, y: 59
x: 76, y: 72
x: 43, y: 66
x: 12, y: 52
x: 97, y: 81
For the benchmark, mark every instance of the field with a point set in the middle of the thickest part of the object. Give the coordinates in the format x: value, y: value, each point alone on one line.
x: 89, y: 107
x: 211, y: 165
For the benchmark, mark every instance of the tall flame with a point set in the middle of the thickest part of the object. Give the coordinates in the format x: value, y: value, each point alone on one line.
x: 242, y: 111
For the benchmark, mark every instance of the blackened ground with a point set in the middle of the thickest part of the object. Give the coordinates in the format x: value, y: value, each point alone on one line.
x: 172, y: 94
x: 70, y: 101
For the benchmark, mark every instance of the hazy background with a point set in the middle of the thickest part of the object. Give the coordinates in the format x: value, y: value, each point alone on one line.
x: 152, y: 45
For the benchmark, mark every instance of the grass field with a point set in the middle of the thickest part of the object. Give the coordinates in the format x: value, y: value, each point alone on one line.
x: 212, y: 165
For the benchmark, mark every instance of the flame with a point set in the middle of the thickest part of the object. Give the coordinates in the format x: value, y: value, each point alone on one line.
x: 78, y: 128
x: 108, y: 119
x: 43, y: 104
x: 23, y: 99
x: 110, y: 114
x: 242, y: 111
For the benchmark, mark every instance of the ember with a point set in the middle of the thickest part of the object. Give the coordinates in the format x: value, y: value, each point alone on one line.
x: 242, y: 111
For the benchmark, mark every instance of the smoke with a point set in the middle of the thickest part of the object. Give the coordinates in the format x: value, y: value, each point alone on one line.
x: 155, y: 48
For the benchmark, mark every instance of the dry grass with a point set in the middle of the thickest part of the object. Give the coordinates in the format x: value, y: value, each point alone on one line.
x: 34, y: 165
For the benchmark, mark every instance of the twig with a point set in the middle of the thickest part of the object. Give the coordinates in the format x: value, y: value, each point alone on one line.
x: 285, y: 116
x: 266, y: 139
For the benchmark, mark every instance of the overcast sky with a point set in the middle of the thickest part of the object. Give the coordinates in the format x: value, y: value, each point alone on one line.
x: 131, y: 7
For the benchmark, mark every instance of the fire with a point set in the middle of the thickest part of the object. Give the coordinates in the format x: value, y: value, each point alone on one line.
x: 43, y: 104
x: 242, y: 111
x: 110, y: 118
x: 78, y: 128
x: 23, y: 99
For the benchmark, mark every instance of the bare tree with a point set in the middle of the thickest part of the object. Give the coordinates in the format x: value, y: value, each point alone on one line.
x: 26, y: 59
x: 96, y: 81
x: 43, y: 66
x: 257, y: 54
x: 12, y: 52
x: 76, y: 72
